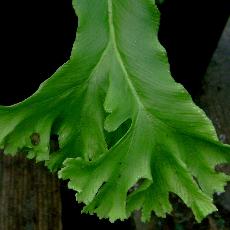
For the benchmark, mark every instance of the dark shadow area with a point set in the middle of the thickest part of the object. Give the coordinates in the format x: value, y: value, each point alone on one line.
x: 73, y: 219
x: 190, y: 31
x: 113, y: 137
x: 36, y: 38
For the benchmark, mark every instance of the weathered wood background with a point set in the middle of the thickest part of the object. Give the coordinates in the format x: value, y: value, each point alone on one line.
x: 215, y: 99
x: 29, y: 196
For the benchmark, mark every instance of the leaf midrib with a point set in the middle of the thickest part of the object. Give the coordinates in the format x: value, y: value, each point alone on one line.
x: 141, y: 105
x: 118, y: 55
x: 113, y: 47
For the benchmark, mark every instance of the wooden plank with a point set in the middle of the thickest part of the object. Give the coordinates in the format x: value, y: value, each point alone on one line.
x: 216, y: 90
x: 216, y: 101
x: 29, y: 196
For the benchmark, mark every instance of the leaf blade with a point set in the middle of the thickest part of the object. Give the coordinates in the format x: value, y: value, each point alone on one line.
x: 118, y: 71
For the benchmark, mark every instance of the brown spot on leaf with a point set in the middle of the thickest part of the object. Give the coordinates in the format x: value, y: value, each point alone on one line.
x: 35, y: 138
